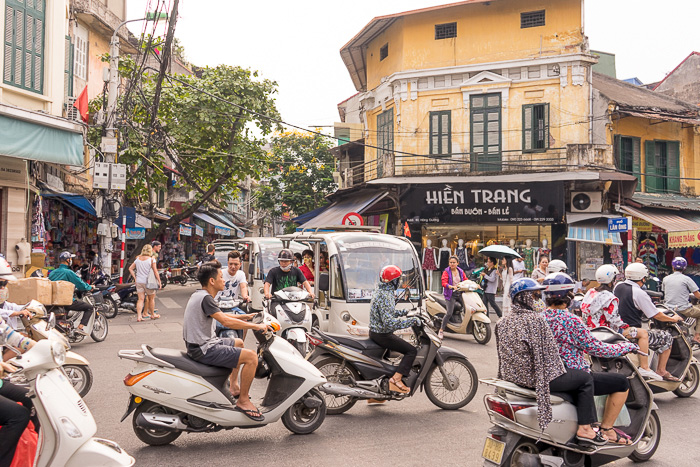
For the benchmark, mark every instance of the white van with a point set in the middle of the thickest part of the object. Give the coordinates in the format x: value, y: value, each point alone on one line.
x: 356, y: 256
x: 258, y: 255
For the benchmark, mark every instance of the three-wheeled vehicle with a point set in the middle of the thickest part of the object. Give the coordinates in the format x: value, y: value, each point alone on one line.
x: 258, y: 256
x: 344, y: 286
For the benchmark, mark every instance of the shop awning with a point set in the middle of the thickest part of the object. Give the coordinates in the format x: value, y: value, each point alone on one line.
x: 593, y: 234
x: 309, y: 215
x: 229, y: 222
x: 77, y: 201
x: 34, y: 141
x: 219, y: 227
x: 670, y: 221
x: 333, y: 215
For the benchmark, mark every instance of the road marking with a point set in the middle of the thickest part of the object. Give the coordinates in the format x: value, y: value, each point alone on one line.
x: 169, y: 303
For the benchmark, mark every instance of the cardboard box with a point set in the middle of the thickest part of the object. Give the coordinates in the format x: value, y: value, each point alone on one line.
x: 32, y: 288
x: 62, y: 293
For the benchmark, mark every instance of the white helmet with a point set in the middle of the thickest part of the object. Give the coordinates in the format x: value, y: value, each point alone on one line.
x: 557, y: 266
x: 6, y: 270
x: 606, y: 274
x: 636, y: 272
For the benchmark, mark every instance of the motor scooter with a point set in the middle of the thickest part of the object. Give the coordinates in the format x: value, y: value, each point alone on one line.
x: 517, y: 440
x: 171, y: 393
x: 229, y: 307
x: 359, y: 368
x: 76, y: 367
x: 475, y: 321
x: 294, y: 314
x: 68, y: 320
x: 67, y: 426
x: 125, y: 296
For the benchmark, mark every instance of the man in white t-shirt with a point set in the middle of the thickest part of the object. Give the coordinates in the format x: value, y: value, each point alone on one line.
x: 235, y: 284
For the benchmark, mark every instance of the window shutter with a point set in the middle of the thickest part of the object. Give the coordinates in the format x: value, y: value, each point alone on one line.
x: 673, y: 168
x: 434, y: 133
x: 445, y: 132
x: 650, y: 179
x: 68, y: 70
x: 23, y: 51
x: 617, y: 152
x: 8, y: 45
x: 546, y: 126
x: 527, y: 127
x: 637, y: 162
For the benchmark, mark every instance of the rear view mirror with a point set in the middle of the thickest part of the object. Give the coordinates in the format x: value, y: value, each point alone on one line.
x: 51, y: 322
x: 324, y: 282
x: 251, y: 268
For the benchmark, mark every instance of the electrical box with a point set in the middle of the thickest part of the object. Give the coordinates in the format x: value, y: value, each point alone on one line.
x: 118, y: 177
x: 115, y: 231
x: 100, y: 175
x: 104, y: 229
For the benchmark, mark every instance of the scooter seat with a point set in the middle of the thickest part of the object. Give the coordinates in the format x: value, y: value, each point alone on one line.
x: 183, y: 362
x: 126, y: 285
x: 440, y: 299
x: 363, y: 344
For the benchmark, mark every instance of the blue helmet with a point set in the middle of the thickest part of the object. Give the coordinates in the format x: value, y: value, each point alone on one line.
x: 524, y: 285
x: 558, y: 284
x: 679, y: 263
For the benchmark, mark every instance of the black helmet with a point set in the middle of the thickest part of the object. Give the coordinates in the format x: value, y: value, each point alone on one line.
x: 285, y: 254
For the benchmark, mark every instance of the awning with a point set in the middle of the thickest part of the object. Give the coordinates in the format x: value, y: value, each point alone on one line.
x: 309, y: 215
x: 229, y: 222
x: 334, y: 214
x: 574, y: 217
x: 33, y: 141
x: 593, y: 234
x: 666, y: 220
x: 76, y: 201
x: 219, y: 227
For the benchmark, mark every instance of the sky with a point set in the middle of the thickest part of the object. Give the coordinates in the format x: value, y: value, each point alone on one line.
x: 297, y: 43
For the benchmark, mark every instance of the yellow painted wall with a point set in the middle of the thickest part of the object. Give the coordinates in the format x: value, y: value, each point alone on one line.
x: 668, y: 131
x: 485, y: 33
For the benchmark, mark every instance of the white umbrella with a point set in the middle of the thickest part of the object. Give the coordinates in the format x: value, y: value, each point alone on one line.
x: 499, y: 251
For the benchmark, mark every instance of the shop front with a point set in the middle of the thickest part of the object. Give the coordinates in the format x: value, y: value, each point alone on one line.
x: 462, y: 218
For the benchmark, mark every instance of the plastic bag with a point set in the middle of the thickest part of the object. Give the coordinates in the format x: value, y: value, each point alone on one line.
x: 623, y: 419
x: 26, y: 448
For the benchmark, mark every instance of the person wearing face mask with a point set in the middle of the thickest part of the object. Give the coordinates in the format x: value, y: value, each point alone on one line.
x: 65, y: 273
x: 10, y: 312
x: 307, y: 266
x: 285, y: 275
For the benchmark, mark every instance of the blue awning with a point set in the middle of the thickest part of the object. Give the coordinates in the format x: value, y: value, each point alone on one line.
x: 77, y: 201
x: 229, y: 222
x: 593, y: 234
x: 309, y: 215
x: 219, y: 227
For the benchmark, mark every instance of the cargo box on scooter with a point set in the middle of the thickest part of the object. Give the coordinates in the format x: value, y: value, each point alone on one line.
x: 62, y: 292
x: 31, y: 288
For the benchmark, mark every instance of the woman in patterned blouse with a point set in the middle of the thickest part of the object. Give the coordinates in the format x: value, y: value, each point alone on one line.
x: 528, y: 355
x: 574, y: 339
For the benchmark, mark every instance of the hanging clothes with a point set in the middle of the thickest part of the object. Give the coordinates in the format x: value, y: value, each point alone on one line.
x: 461, y: 254
x: 429, y: 263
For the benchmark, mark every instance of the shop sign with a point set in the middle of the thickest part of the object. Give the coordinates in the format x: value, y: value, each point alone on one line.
x: 618, y: 224
x: 641, y: 225
x: 185, y: 230
x: 683, y: 239
x: 224, y: 231
x: 142, y: 221
x: 135, y: 233
x: 484, y: 203
x: 198, y: 231
x: 13, y: 172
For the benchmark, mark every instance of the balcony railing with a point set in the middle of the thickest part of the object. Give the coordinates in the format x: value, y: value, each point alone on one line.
x: 571, y: 157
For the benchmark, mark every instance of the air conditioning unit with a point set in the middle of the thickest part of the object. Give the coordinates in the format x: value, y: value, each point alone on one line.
x: 586, y: 201
x: 72, y: 112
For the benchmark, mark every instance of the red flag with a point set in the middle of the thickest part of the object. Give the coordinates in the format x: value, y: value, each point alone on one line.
x: 406, y: 230
x: 81, y: 103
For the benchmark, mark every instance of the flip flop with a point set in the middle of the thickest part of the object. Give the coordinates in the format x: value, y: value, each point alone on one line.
x: 621, y: 437
x: 670, y: 377
x: 138, y: 320
x: 156, y: 316
x: 253, y: 414
x: 598, y: 440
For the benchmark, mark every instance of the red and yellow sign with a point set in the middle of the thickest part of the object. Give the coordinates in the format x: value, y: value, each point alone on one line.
x: 684, y: 239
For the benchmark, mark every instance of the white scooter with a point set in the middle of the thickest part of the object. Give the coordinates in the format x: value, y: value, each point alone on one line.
x: 67, y: 426
x: 172, y: 394
x: 294, y: 314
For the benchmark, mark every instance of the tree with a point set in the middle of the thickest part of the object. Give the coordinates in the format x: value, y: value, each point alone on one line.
x: 302, y: 175
x: 211, y: 143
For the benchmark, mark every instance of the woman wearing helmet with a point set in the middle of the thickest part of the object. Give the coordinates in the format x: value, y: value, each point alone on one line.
x: 600, y: 307
x: 384, y: 319
x: 285, y: 275
x: 677, y: 287
x: 528, y: 355
x: 574, y: 339
x: 557, y: 265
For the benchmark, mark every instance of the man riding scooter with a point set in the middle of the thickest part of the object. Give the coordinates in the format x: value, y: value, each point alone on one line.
x: 65, y: 273
x: 677, y: 287
x: 635, y: 303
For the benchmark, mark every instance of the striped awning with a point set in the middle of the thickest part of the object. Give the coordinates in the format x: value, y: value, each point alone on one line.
x: 593, y: 234
x: 670, y: 221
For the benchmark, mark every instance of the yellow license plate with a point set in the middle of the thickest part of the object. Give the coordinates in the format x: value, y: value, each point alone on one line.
x: 493, y: 450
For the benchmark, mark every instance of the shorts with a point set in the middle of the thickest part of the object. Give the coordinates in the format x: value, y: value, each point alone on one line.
x: 141, y: 288
x: 224, y: 354
x: 660, y: 340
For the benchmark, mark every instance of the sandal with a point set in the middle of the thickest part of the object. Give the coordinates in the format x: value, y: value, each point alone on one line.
x: 398, y: 386
x: 155, y: 316
x: 598, y: 440
x: 669, y: 377
x: 253, y: 414
x: 620, y: 436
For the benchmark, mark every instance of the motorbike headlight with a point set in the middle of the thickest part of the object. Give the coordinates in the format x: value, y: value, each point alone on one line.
x: 70, y: 428
x: 58, y: 352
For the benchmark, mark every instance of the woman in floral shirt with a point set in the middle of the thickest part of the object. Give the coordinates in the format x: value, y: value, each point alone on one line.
x: 574, y: 339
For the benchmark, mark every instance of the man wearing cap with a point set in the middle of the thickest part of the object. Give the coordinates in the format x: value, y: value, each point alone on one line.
x: 65, y: 273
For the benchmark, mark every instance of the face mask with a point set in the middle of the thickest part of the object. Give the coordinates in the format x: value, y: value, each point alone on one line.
x: 308, y: 261
x: 286, y: 268
x: 3, y: 295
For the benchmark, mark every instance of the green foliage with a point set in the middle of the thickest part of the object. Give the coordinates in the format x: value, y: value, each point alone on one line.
x: 303, y: 175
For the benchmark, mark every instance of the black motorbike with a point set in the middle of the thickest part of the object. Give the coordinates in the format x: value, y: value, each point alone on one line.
x: 359, y: 368
x: 67, y: 321
x: 125, y: 296
x: 105, y: 284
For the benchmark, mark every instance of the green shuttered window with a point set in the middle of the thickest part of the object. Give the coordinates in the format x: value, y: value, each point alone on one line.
x: 662, y: 166
x: 535, y: 127
x: 23, y: 48
x: 441, y: 133
x: 628, y: 156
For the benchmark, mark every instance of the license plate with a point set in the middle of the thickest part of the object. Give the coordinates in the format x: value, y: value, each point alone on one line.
x: 115, y: 296
x: 493, y: 450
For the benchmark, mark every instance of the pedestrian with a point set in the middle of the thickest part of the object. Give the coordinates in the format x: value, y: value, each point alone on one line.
x: 210, y: 254
x: 518, y: 268
x: 507, y: 276
x: 491, y: 277
x: 156, y: 245
x: 451, y: 276
x: 139, y: 270
x: 540, y: 271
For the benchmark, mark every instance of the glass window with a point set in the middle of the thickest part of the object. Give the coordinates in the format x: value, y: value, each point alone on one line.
x: 337, y: 290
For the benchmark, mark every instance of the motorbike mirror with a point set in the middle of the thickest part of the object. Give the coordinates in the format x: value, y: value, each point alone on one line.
x: 324, y: 282
x: 51, y: 322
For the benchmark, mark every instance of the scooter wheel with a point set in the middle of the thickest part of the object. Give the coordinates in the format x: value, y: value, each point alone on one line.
x: 80, y: 376
x: 331, y: 369
x: 481, y: 332
x: 151, y: 436
x: 183, y: 280
x: 690, y: 382
x: 99, y: 328
x: 458, y: 391
x: 649, y: 443
x: 303, y: 418
x: 112, y: 308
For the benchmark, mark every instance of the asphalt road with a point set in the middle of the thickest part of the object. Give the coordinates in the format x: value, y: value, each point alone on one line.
x: 407, y: 433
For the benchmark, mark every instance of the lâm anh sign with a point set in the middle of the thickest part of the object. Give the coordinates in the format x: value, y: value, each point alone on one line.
x: 484, y: 203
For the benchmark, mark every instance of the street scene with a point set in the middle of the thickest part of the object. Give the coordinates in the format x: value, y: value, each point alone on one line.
x: 411, y: 232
